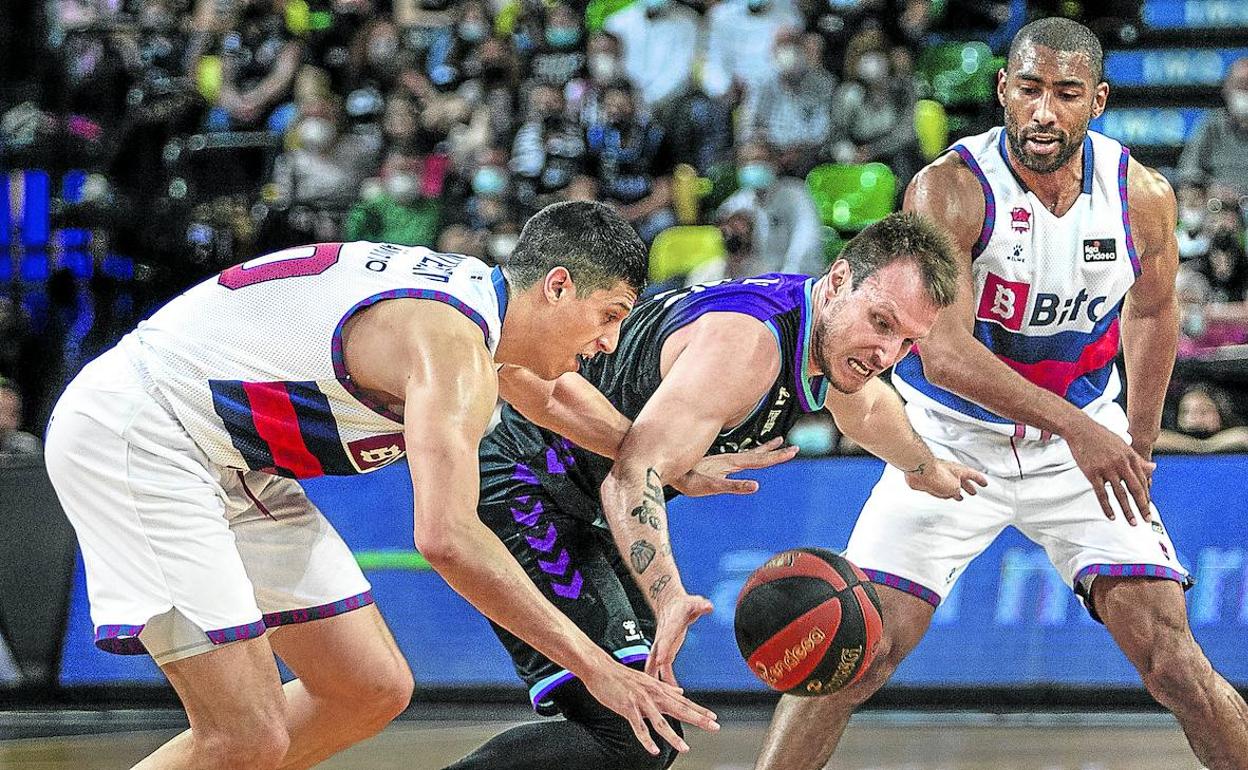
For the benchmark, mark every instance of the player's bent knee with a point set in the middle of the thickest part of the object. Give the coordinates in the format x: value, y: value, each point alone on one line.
x: 379, y: 695
x: 260, y: 746
x: 1176, y: 675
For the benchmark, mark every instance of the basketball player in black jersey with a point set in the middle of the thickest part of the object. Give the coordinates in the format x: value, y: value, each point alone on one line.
x: 715, y: 369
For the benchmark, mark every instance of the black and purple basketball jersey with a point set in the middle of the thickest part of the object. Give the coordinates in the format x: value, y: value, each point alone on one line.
x: 518, y: 452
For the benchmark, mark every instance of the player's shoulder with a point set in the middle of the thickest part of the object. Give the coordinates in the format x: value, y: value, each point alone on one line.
x: 948, y: 191
x: 1148, y: 188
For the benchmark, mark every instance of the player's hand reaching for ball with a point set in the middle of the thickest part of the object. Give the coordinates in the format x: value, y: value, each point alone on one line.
x: 641, y: 699
x: 711, y: 475
x: 673, y: 616
x: 945, y: 479
x: 1107, y: 460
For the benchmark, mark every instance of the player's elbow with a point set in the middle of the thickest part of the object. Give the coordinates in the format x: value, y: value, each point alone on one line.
x: 442, y: 546
x: 940, y: 364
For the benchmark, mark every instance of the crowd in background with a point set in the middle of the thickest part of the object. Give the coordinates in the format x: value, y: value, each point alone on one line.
x: 215, y: 130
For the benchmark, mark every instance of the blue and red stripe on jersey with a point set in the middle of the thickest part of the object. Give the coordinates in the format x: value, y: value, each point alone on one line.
x: 1073, y: 364
x: 286, y: 428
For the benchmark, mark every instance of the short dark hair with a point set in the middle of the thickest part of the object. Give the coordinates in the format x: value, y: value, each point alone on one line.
x: 595, y: 244
x: 1062, y: 34
x: 912, y: 236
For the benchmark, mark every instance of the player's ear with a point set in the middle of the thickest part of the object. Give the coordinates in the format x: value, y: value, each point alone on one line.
x: 1001, y: 86
x: 558, y: 284
x: 840, y: 279
x: 1099, y: 97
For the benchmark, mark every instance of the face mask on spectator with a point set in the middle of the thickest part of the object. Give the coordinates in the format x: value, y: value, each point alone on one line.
x: 1192, y: 218
x: 603, y: 67
x: 472, y: 31
x: 382, y: 50
x: 1237, y: 104
x: 655, y: 7
x: 402, y: 187
x: 843, y: 5
x: 755, y: 176
x: 315, y: 134
x: 563, y: 37
x: 489, y: 181
x: 872, y: 67
x: 788, y: 59
x: 757, y: 6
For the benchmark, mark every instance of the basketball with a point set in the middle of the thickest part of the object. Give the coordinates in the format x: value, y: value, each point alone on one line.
x: 808, y: 622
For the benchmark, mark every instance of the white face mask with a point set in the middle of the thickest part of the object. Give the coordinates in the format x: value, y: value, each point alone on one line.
x: 872, y: 67
x: 1237, y: 103
x: 402, y: 187
x: 315, y: 134
x: 603, y: 67
x: 787, y: 59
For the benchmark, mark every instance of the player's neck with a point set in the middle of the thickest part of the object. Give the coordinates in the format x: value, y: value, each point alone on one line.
x: 1057, y: 190
x: 516, y: 336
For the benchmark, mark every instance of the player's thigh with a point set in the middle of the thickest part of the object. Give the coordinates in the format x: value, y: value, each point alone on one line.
x: 233, y: 689
x: 918, y: 544
x: 1147, y: 617
x: 568, y: 561
x: 351, y: 657
x: 1060, y: 512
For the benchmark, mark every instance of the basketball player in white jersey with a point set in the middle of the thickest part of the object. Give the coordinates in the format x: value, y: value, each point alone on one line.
x: 1068, y: 245
x: 175, y: 456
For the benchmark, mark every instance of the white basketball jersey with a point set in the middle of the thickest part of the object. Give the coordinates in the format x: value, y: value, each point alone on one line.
x: 1049, y: 289
x: 251, y: 362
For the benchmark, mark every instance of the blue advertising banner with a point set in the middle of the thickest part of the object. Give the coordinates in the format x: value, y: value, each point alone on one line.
x: 1010, y: 621
x: 1150, y: 126
x: 1195, y: 14
x: 1170, y: 67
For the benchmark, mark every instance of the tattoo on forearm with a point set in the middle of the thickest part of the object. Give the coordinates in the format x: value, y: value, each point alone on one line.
x: 652, y: 504
x: 657, y: 586
x: 641, y: 554
x: 919, y: 470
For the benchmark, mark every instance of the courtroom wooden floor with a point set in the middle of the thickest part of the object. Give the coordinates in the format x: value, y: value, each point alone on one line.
x: 875, y: 741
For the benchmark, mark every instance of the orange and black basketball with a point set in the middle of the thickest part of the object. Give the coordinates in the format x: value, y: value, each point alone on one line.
x: 808, y: 622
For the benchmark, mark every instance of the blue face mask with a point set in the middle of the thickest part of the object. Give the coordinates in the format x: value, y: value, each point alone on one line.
x: 472, y: 32
x: 563, y: 37
x: 755, y: 176
x: 489, y: 182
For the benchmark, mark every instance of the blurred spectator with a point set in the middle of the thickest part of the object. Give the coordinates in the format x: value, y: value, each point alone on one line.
x: 260, y: 61
x: 741, y: 39
x: 1225, y: 268
x: 660, y: 45
x: 394, y: 211
x: 548, y: 151
x: 874, y: 108
x: 1193, y: 213
x: 453, y: 47
x: 1218, y: 152
x: 632, y: 161
x: 13, y: 440
x: 603, y: 67
x: 560, y: 56
x: 1207, y: 422
x: 1204, y: 324
x: 793, y: 113
x: 318, y: 179
x: 770, y: 225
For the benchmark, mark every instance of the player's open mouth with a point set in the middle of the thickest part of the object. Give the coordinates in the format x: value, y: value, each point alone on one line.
x: 1042, y: 145
x: 859, y: 367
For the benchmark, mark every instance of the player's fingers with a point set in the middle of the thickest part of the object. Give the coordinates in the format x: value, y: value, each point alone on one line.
x: 1124, y: 502
x: 968, y: 486
x: 767, y: 446
x: 642, y: 732
x: 1098, y: 487
x: 664, y: 729
x: 750, y: 460
x: 691, y: 713
x: 977, y: 477
x: 1136, y: 484
x: 668, y: 674
x: 740, y: 486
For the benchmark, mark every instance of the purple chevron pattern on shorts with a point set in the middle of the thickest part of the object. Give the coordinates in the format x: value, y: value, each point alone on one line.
x: 524, y: 474
x: 524, y: 513
x: 544, y: 543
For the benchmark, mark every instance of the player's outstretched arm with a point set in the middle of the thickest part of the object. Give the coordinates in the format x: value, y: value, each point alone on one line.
x: 573, y: 408
x: 875, y: 418
x: 449, y: 386
x: 955, y: 360
x: 1150, y: 316
x: 727, y: 362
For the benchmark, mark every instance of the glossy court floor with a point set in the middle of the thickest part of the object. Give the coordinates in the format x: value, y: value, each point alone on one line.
x: 876, y: 741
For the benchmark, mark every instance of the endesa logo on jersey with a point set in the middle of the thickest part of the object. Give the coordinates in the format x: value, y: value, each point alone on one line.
x: 1003, y: 302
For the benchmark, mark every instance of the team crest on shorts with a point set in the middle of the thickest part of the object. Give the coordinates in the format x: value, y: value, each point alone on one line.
x: 368, y: 454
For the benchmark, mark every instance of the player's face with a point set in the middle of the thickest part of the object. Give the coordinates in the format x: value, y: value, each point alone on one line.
x: 584, y: 327
x: 861, y: 332
x: 1049, y: 98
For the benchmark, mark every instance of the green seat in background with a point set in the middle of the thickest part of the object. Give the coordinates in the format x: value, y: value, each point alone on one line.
x: 678, y: 250
x: 850, y: 197
x: 960, y: 73
x: 931, y: 125
x: 598, y: 11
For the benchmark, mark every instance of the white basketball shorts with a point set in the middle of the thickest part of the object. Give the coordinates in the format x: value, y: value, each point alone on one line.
x: 182, y: 554
x: 916, y: 543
